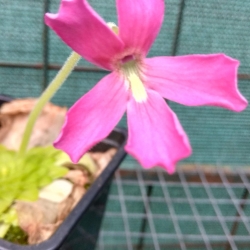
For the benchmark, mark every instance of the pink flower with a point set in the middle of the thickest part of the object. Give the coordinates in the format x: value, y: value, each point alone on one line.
x: 138, y: 84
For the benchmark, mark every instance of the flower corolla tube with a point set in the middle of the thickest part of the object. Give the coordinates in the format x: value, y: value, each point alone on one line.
x: 138, y: 85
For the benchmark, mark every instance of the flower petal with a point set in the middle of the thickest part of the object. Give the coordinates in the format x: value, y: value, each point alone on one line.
x: 155, y: 138
x: 93, y: 117
x: 139, y: 23
x: 82, y: 29
x: 196, y: 80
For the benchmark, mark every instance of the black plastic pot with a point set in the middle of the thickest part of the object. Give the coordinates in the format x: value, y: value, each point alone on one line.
x: 80, y: 229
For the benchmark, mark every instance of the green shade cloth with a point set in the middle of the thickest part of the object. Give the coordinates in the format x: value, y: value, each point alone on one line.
x: 217, y: 136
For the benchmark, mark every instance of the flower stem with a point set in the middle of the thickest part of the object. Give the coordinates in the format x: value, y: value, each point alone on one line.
x: 46, y: 96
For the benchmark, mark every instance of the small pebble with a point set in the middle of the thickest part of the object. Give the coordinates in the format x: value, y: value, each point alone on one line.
x: 57, y: 191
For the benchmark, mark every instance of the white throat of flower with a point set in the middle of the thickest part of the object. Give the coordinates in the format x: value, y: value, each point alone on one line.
x: 131, y: 71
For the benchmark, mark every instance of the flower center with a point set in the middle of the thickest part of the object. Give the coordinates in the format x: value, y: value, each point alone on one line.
x: 131, y: 72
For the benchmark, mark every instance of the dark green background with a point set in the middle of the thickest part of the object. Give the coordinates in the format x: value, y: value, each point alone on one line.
x: 217, y: 136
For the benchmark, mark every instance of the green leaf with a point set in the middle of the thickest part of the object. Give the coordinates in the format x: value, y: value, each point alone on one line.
x: 4, y: 229
x: 7, y: 219
x: 28, y: 195
x: 57, y: 172
x: 46, y: 180
x: 21, y: 177
x: 5, y: 203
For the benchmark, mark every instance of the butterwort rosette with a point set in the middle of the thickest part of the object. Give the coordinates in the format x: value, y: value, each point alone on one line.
x: 136, y: 84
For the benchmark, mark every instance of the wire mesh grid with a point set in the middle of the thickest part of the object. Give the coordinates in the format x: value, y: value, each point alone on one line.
x: 192, y: 209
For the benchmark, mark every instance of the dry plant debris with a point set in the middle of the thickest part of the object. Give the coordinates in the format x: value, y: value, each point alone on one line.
x: 41, y: 218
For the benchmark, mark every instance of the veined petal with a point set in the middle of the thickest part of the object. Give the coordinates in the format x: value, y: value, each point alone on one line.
x: 82, y: 29
x: 139, y: 22
x: 196, y: 80
x: 155, y: 136
x: 93, y: 116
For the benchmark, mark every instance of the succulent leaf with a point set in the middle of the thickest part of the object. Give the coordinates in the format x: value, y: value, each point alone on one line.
x: 21, y: 176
